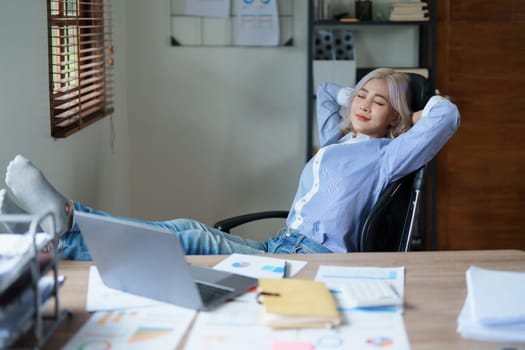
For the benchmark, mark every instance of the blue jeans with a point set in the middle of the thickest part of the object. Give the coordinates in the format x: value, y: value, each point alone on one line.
x: 198, y: 238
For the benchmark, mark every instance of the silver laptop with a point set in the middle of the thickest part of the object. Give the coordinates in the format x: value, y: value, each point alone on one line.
x: 149, y: 261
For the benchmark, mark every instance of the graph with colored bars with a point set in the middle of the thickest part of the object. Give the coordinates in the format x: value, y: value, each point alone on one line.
x: 150, y: 327
x: 142, y: 333
x: 268, y: 268
x: 253, y: 266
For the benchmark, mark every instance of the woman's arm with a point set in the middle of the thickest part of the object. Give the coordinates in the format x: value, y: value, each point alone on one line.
x: 417, y: 115
x: 328, y: 117
x: 433, y: 127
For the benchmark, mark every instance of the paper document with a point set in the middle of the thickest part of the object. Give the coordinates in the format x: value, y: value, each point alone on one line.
x: 257, y: 23
x: 100, y: 297
x: 494, y: 307
x: 497, y: 296
x: 18, y: 315
x: 16, y: 244
x: 336, y: 277
x: 470, y: 328
x: 260, y: 266
x: 157, y: 327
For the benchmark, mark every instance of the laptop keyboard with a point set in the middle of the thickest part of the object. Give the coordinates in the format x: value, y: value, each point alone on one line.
x: 211, y: 293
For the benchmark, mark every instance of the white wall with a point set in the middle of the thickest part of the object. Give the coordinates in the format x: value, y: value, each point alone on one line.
x: 214, y: 131
x: 82, y: 166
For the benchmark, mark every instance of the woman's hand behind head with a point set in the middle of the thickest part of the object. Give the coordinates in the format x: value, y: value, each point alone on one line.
x: 416, y: 116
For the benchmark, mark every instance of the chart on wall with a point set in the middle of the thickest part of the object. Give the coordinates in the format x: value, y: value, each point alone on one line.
x: 231, y: 23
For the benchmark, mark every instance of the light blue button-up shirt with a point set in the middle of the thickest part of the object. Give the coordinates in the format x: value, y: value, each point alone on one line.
x: 341, y: 183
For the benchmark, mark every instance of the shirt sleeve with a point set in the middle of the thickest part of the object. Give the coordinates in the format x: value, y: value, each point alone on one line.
x: 419, y: 145
x: 328, y: 117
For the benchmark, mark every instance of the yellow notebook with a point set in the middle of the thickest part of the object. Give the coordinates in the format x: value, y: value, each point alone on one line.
x: 297, y: 303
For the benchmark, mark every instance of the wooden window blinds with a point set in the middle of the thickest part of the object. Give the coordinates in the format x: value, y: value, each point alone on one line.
x: 80, y: 63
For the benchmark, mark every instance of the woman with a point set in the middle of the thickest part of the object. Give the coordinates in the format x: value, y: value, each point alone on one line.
x: 373, y: 144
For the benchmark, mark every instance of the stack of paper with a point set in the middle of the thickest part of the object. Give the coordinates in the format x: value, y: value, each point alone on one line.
x: 17, y: 317
x: 494, y: 308
x: 17, y: 295
x: 16, y: 252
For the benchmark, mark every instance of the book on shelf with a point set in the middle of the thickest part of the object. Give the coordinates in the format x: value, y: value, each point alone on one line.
x: 414, y: 11
x: 416, y: 17
x: 419, y: 4
x: 408, y: 11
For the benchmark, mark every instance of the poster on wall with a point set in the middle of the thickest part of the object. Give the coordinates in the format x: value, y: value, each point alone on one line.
x: 208, y: 8
x: 257, y: 23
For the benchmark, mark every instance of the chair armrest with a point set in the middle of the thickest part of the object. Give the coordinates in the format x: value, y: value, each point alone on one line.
x: 227, y: 224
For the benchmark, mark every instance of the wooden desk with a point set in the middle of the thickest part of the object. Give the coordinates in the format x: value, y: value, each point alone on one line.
x: 435, y: 290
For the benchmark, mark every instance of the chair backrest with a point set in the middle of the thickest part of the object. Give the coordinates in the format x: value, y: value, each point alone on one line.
x: 395, y: 217
x: 419, y: 91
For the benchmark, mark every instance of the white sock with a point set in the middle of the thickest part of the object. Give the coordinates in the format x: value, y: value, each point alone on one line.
x: 36, y: 195
x: 8, y: 206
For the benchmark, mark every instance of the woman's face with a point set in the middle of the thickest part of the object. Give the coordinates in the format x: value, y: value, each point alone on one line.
x: 371, y: 112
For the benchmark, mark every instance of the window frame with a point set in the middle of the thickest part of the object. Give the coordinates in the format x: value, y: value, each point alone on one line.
x: 81, y: 62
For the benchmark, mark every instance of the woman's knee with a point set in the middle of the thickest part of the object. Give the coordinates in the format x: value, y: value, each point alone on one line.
x: 182, y: 224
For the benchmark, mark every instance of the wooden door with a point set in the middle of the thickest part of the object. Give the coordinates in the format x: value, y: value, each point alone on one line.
x: 481, y: 172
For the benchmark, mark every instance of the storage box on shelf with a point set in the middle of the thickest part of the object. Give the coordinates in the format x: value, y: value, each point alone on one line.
x: 334, y: 57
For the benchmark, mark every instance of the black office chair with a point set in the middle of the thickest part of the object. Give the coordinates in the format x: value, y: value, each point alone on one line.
x: 394, y: 220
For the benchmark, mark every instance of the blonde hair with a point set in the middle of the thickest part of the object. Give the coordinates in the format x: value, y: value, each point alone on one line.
x: 399, y: 97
